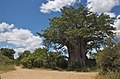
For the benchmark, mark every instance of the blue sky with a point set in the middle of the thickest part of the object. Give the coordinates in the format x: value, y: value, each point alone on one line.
x: 24, y: 14
x: 21, y: 19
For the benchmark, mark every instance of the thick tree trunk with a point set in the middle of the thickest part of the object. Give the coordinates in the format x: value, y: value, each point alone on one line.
x: 74, y: 56
x: 83, y: 52
x: 77, y: 55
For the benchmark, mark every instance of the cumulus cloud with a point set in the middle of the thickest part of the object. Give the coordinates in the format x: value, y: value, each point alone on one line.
x: 101, y: 6
x: 55, y: 5
x: 117, y: 25
x: 4, y: 26
x: 22, y: 39
x: 117, y: 22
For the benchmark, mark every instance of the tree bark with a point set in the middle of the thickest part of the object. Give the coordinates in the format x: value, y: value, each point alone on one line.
x: 74, y: 56
x: 77, y: 54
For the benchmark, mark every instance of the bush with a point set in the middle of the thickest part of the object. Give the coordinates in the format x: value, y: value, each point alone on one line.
x: 41, y: 59
x: 91, y: 63
x: 108, y: 60
x: 113, y: 75
x: 6, y: 64
x: 7, y: 52
x: 5, y: 68
x: 57, y: 60
x: 37, y: 59
x: 5, y: 60
x: 110, y: 75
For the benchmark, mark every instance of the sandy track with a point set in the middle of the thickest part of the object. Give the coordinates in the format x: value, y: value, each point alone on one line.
x: 46, y: 74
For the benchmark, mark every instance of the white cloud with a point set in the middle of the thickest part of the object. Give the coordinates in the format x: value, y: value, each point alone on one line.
x: 4, y: 26
x: 117, y: 22
x: 22, y: 39
x: 118, y: 16
x: 101, y: 6
x: 110, y: 14
x: 55, y: 5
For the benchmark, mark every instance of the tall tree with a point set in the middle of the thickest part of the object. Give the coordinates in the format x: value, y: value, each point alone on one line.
x: 7, y: 52
x: 80, y: 30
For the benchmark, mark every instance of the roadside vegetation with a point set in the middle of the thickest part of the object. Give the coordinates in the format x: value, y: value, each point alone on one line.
x: 108, y: 61
x: 6, y: 64
x: 41, y: 58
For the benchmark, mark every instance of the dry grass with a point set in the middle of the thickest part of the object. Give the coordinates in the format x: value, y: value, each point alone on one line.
x: 111, y: 75
x: 101, y: 77
x: 47, y: 74
x: 6, y: 68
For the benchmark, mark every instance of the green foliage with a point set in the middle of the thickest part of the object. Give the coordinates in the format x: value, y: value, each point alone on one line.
x: 110, y: 75
x: 56, y: 59
x: 7, y: 52
x: 5, y: 68
x: 108, y: 59
x: 5, y: 60
x: 26, y: 53
x: 40, y: 58
x: 78, y: 29
x: 91, y: 63
x: 6, y: 64
x: 36, y: 59
x: 78, y: 23
x: 113, y: 75
x: 23, y: 55
x: 90, y: 66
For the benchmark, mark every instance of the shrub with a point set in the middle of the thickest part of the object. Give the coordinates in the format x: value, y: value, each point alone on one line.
x: 57, y: 60
x: 110, y: 75
x: 113, y: 75
x: 6, y: 64
x: 4, y: 68
x: 7, y: 52
x: 108, y: 60
x: 5, y: 60
x: 41, y: 59
x: 37, y: 59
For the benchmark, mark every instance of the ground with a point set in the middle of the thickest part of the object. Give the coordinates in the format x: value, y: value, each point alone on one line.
x: 20, y: 73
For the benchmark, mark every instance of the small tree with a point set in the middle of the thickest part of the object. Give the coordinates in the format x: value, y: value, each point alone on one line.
x: 7, y: 52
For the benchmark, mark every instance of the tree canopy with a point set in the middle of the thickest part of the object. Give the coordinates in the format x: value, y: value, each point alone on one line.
x: 80, y: 30
x: 7, y: 52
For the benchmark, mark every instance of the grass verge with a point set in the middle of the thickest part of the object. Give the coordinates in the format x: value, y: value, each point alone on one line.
x: 6, y: 68
x: 111, y: 75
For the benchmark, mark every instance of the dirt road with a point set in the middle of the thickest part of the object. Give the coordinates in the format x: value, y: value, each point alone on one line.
x: 46, y: 74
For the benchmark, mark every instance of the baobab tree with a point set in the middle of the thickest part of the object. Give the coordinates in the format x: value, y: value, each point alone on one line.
x: 79, y: 30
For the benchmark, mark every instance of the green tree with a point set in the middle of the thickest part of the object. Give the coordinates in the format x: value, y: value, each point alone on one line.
x: 80, y: 30
x: 23, y: 55
x: 26, y: 53
x: 37, y: 59
x: 7, y: 52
